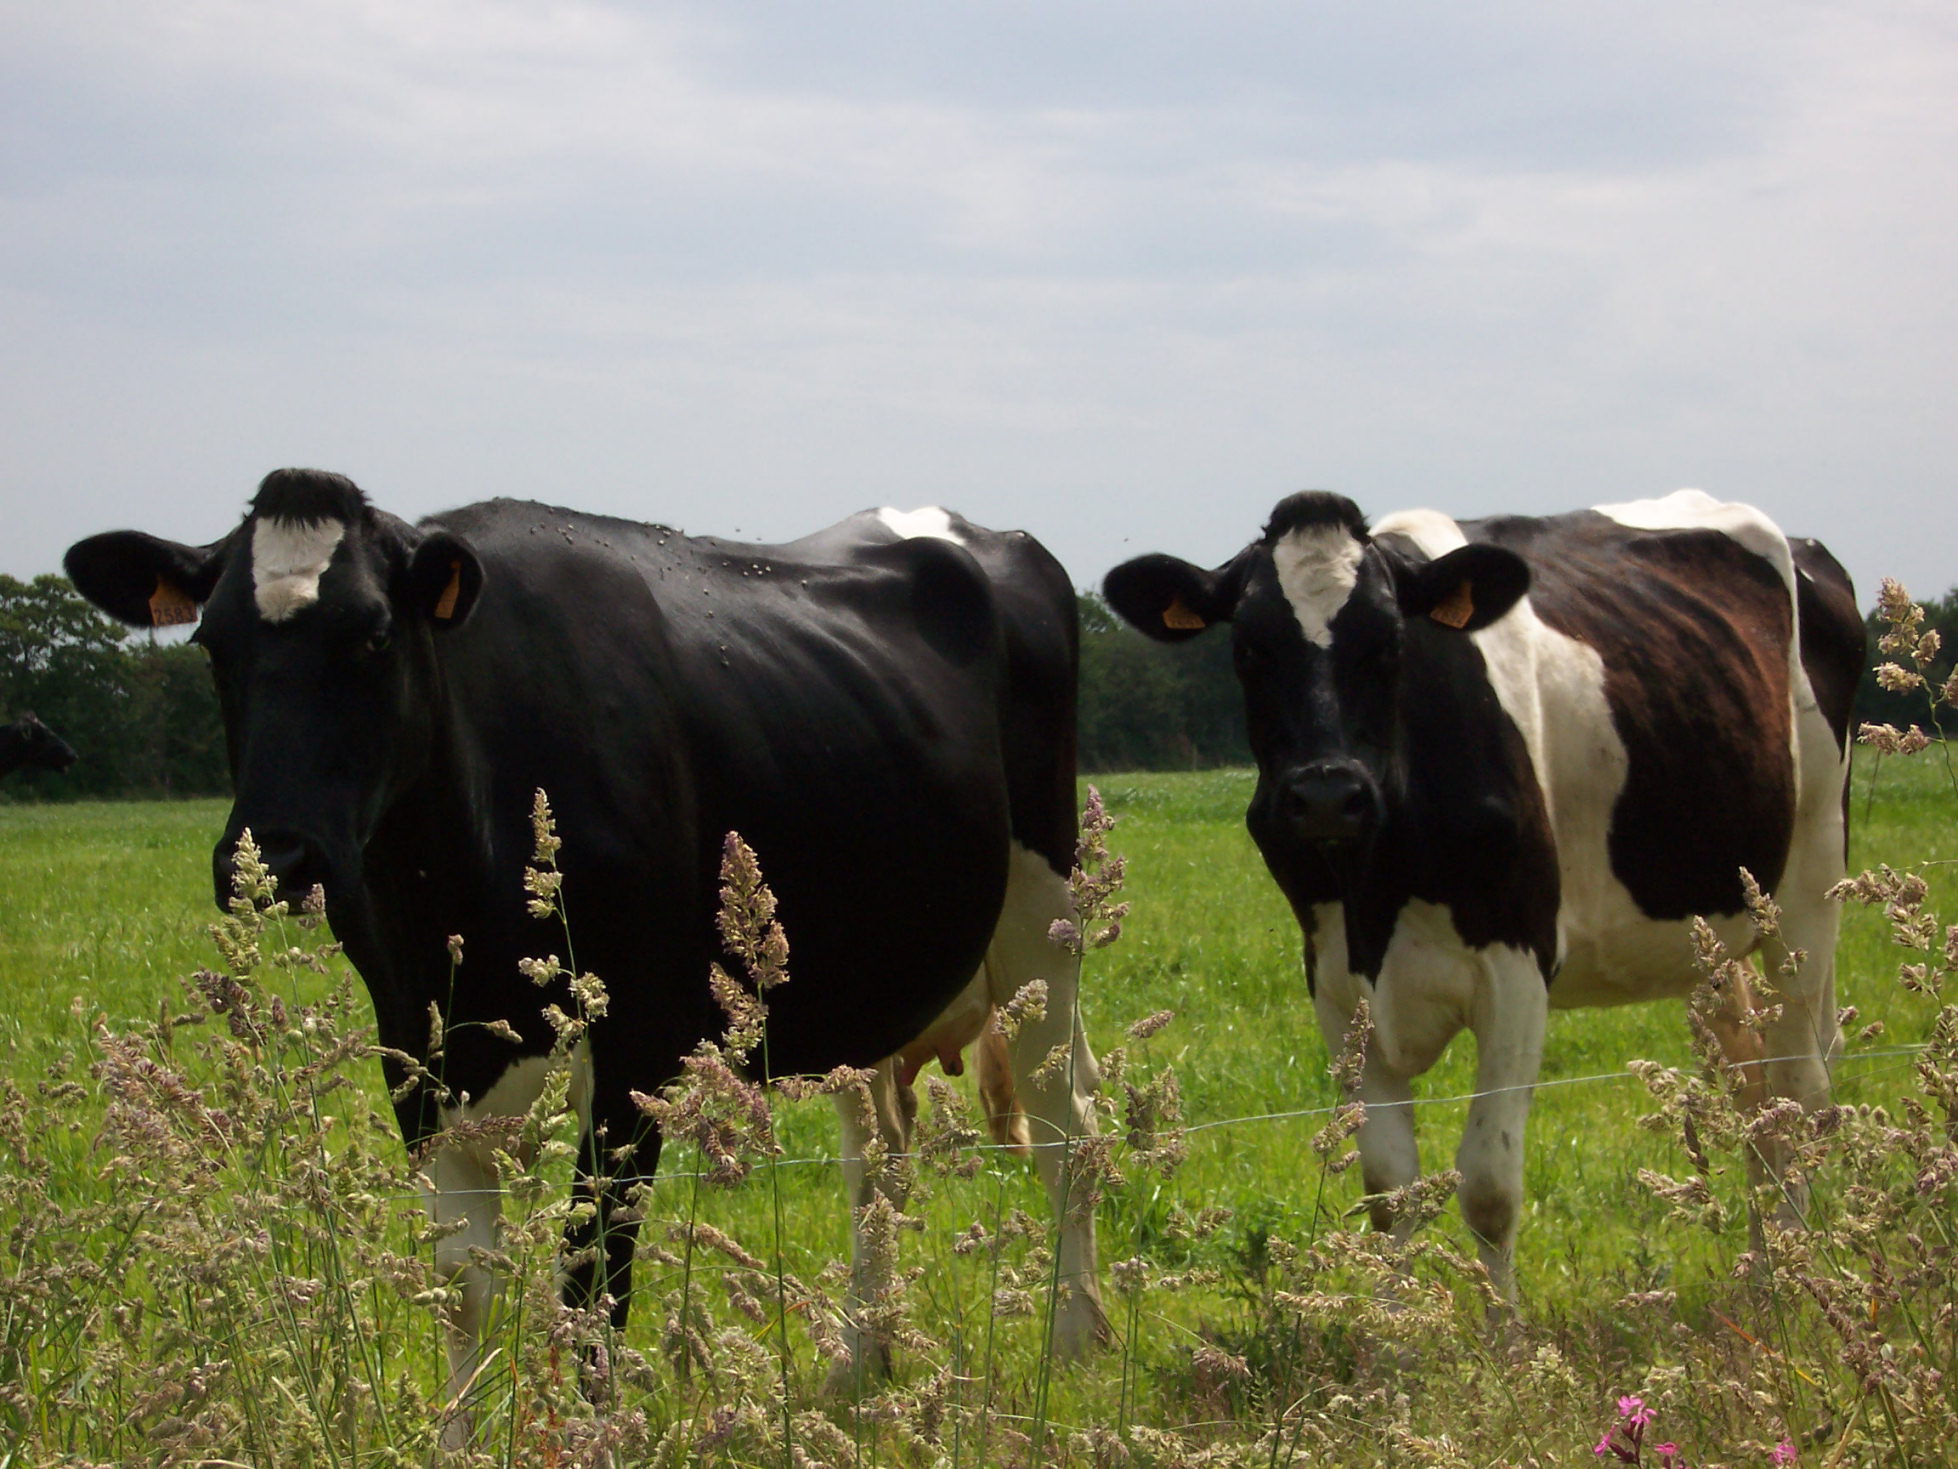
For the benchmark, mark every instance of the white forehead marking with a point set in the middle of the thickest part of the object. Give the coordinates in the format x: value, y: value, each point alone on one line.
x: 930, y: 521
x: 288, y: 558
x: 1697, y: 510
x: 1317, y: 568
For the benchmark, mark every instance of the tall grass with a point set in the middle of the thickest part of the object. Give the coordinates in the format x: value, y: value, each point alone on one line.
x: 216, y: 1252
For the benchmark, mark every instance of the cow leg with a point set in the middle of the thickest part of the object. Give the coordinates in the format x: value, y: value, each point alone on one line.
x: 1741, y: 1044
x: 618, y: 1149
x: 1511, y: 1009
x: 465, y: 1200
x: 886, y: 1110
x: 1743, y: 1049
x: 1057, y: 1101
x: 609, y: 1235
x: 1801, y: 1037
x: 1389, y: 1157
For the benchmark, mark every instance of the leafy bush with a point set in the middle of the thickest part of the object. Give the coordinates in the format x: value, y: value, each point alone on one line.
x: 142, y: 715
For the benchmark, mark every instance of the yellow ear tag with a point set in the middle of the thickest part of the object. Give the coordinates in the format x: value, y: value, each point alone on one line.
x: 1455, y: 609
x: 445, y: 605
x: 170, y: 604
x: 1178, y: 615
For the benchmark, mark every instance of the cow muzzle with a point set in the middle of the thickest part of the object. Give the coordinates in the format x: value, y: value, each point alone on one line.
x: 296, y: 863
x: 1329, y: 803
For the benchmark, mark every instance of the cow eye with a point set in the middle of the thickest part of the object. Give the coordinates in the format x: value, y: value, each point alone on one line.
x: 379, y: 642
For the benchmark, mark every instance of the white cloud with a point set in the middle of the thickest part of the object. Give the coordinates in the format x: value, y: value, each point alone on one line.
x: 1078, y: 268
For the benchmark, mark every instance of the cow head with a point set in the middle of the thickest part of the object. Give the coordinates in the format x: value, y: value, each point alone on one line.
x: 36, y: 747
x: 1321, y: 618
x: 320, y: 616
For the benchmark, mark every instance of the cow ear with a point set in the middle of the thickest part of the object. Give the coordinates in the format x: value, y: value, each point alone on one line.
x: 1170, y: 599
x: 444, y: 578
x: 1467, y: 589
x: 141, y: 580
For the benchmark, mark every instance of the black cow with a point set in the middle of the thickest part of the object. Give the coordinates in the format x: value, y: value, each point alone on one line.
x: 28, y: 744
x: 1502, y: 763
x: 884, y: 710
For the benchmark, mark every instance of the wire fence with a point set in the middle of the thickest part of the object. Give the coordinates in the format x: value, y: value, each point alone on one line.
x: 1318, y: 1113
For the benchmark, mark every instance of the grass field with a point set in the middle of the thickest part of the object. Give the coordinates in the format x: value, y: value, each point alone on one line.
x: 104, y: 909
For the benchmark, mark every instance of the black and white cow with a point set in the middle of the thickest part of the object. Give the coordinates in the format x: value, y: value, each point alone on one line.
x: 884, y: 711
x: 1502, y: 763
x: 28, y: 744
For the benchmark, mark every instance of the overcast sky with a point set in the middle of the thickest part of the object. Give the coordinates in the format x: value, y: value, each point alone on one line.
x: 1122, y: 274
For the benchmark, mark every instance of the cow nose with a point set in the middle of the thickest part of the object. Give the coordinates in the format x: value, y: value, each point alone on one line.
x: 1329, y: 801
x: 293, y: 860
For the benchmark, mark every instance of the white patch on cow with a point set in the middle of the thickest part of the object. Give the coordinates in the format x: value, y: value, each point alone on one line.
x: 930, y: 521
x: 1697, y: 510
x: 519, y: 1087
x: 1318, y: 566
x: 288, y: 559
x: 1431, y: 530
x: 1422, y: 997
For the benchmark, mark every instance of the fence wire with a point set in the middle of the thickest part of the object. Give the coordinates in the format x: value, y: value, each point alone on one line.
x: 1303, y: 1114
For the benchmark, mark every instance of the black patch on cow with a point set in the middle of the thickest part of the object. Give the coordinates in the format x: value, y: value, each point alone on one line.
x: 1033, y: 602
x: 311, y: 495
x: 1314, y: 508
x: 1477, y: 807
x: 1693, y: 630
x: 949, y: 597
x: 1835, y: 641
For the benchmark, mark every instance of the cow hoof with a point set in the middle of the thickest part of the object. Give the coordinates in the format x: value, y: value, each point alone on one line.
x: 1080, y: 1327
x: 869, y: 1366
x: 457, y: 1430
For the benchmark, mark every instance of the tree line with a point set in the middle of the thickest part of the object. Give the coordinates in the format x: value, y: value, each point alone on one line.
x: 144, y: 717
x: 141, y: 714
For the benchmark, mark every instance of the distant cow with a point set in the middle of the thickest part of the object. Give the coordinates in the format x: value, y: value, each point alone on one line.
x: 1501, y: 764
x: 28, y: 744
x: 884, y: 711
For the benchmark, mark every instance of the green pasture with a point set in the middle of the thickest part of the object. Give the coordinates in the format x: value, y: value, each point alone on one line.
x: 104, y: 908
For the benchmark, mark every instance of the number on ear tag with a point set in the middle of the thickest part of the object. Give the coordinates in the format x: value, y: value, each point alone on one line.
x: 1178, y: 615
x: 1455, y: 609
x: 170, y: 604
